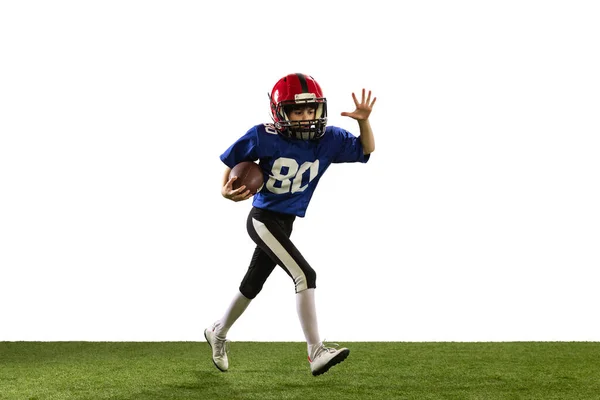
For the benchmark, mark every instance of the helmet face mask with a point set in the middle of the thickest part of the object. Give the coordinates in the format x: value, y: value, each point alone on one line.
x: 298, y: 91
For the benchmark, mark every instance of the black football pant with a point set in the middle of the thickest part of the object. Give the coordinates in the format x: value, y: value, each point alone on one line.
x: 271, y: 232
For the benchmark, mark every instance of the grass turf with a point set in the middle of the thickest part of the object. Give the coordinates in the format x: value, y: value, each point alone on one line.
x: 263, y: 371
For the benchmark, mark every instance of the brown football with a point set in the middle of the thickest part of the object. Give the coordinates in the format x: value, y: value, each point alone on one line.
x: 248, y: 173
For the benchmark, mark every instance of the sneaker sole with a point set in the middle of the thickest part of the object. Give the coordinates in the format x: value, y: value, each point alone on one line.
x: 334, y: 361
x: 209, y: 345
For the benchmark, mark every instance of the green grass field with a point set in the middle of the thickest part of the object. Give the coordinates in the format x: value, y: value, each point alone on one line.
x: 262, y: 371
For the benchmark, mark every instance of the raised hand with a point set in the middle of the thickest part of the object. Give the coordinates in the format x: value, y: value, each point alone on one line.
x: 363, y: 108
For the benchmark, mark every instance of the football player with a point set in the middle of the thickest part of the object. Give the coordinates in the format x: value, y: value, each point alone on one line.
x: 293, y: 151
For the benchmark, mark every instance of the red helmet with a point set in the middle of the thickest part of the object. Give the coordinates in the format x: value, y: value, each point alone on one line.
x: 298, y: 90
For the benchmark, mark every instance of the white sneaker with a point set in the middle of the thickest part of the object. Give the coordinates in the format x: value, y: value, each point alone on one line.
x: 219, y: 349
x: 324, y: 358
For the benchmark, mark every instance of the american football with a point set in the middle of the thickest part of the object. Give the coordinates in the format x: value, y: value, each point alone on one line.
x: 248, y: 173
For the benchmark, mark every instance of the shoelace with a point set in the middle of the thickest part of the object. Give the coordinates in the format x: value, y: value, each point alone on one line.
x: 330, y: 346
x: 324, y: 348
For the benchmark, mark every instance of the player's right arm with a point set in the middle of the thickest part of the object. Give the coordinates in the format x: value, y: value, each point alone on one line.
x: 361, y: 115
x: 227, y: 190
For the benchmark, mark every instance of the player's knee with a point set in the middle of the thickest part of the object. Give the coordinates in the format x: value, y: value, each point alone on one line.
x: 311, y: 279
x: 308, y: 280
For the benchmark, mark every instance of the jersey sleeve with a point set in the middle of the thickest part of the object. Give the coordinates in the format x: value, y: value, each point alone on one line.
x: 349, y: 148
x: 243, y: 149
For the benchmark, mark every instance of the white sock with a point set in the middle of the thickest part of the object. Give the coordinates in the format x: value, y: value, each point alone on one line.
x: 307, y: 313
x: 235, y: 310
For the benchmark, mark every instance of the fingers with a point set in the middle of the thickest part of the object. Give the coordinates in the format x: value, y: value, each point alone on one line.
x: 364, y: 94
x: 238, y: 191
x: 229, y: 184
x: 245, y: 195
x: 368, y: 102
x: 238, y: 194
x: 365, y: 104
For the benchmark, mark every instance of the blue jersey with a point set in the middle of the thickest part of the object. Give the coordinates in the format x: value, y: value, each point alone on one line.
x: 292, y: 168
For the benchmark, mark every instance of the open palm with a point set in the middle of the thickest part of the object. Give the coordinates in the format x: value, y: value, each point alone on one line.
x: 363, y: 108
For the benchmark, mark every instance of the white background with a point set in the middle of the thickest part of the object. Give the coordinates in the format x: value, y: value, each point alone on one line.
x: 476, y: 219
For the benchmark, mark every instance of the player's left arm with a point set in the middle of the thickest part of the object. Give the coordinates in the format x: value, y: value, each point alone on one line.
x: 361, y: 115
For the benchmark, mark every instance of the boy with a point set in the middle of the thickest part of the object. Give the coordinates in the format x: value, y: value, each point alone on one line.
x: 293, y: 153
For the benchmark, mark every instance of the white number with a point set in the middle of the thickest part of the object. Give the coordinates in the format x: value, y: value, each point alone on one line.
x: 290, y: 181
x: 312, y: 167
x: 269, y: 128
x: 280, y: 179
